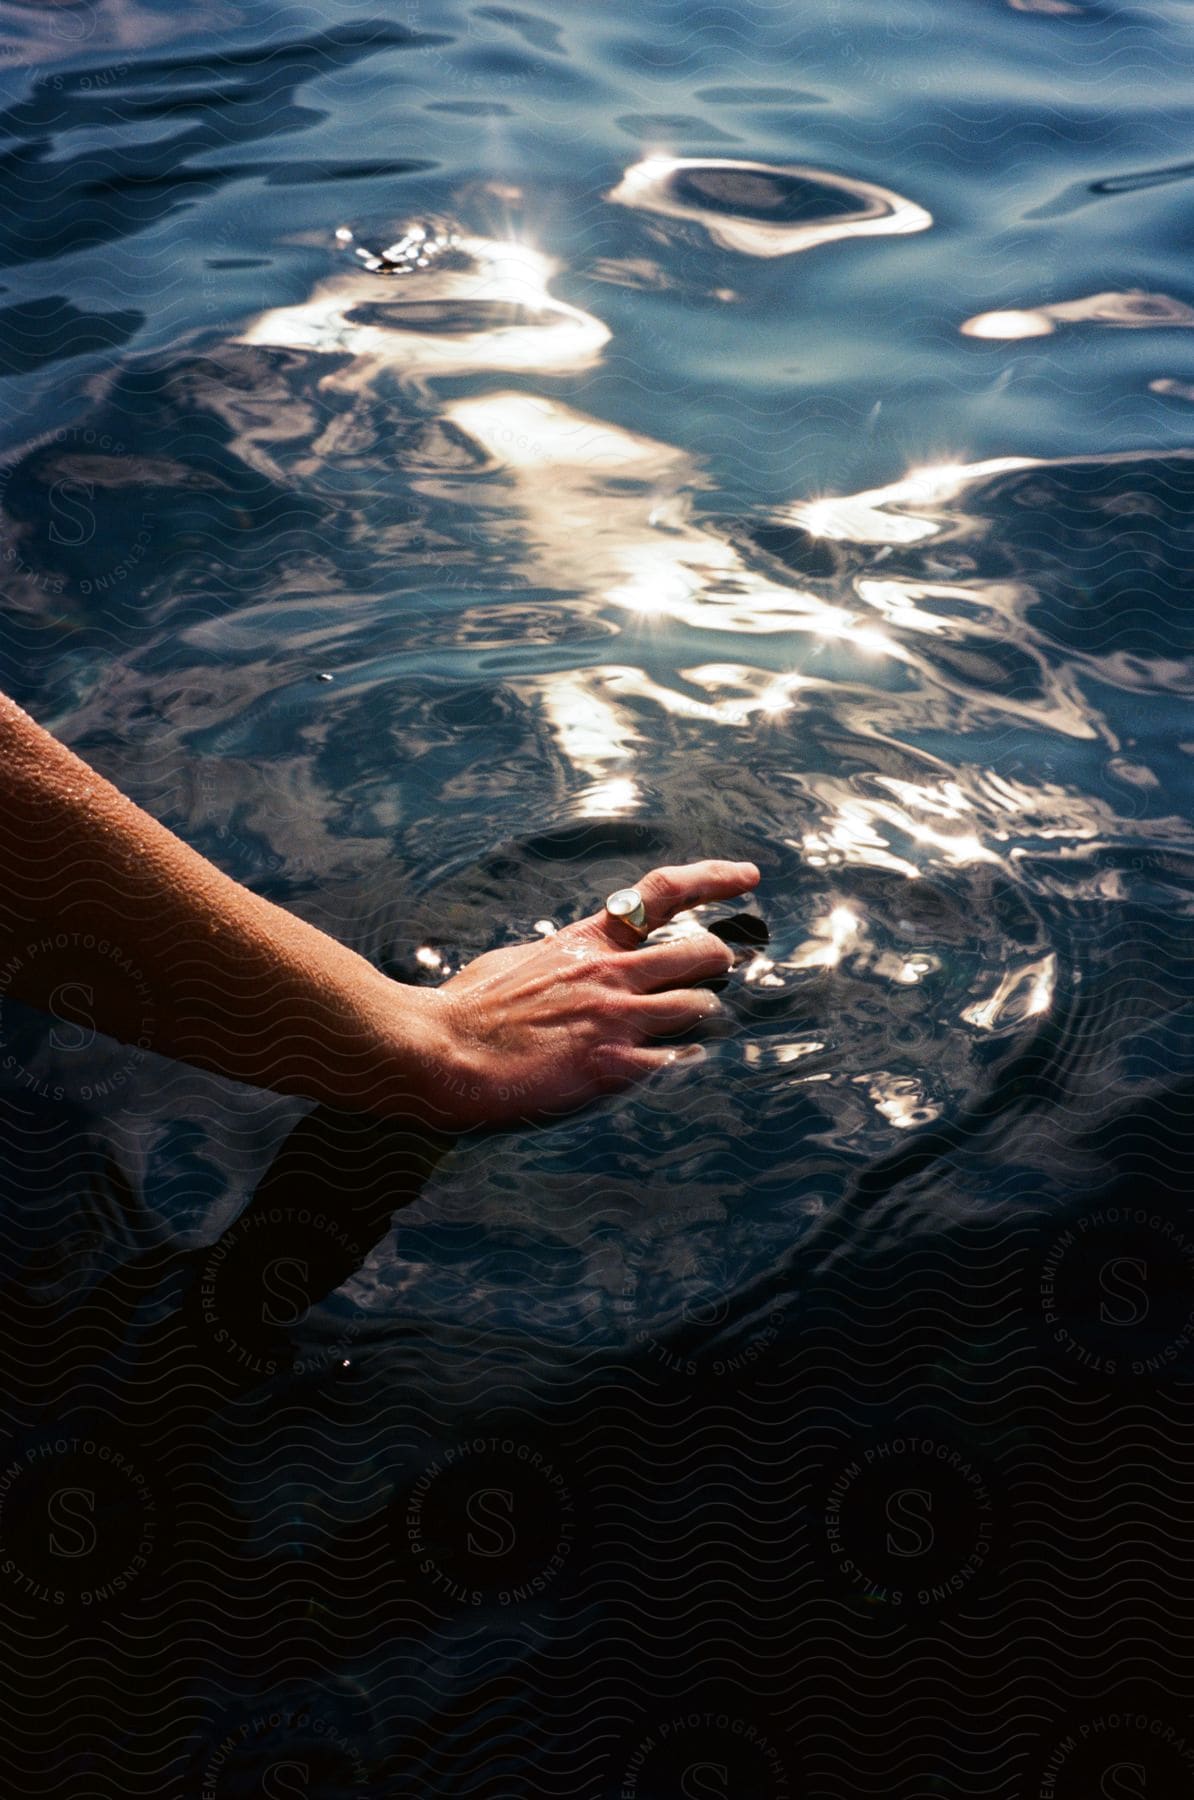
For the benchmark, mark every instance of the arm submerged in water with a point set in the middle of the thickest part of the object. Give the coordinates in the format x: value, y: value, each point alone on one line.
x: 226, y: 980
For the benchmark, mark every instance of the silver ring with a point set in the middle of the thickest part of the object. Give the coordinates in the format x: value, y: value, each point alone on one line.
x: 626, y: 906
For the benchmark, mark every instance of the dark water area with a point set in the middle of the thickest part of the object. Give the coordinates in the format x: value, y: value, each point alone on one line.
x: 453, y: 459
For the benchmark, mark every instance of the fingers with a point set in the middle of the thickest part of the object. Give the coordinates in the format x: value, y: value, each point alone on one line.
x: 620, y: 1065
x: 665, y: 892
x: 695, y: 957
x: 617, y: 931
x: 682, y: 1009
x: 668, y: 891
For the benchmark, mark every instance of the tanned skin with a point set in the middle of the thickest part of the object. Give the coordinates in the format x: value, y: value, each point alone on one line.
x: 235, y: 984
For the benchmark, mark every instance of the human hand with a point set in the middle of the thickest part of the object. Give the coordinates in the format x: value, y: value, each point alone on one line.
x: 544, y: 1027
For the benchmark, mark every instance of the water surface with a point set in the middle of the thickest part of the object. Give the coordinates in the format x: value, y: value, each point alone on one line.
x: 454, y: 459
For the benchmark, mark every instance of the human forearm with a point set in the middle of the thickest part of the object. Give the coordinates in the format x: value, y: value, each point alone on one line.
x: 106, y: 906
x: 167, y: 952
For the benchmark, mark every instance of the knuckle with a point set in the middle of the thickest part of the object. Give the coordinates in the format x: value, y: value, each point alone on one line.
x: 602, y: 996
x: 577, y: 940
x: 679, y: 1012
x: 610, y: 1060
x: 585, y: 932
x: 700, y: 1005
x: 697, y: 945
x: 666, y: 881
x: 713, y: 949
x: 599, y: 1011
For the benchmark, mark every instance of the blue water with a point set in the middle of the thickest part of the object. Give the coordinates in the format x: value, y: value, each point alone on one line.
x: 451, y: 460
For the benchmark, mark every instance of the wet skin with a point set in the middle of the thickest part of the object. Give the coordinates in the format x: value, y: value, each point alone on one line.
x: 241, y: 986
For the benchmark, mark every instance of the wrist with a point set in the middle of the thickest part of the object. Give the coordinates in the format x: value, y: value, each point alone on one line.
x: 367, y: 1043
x: 282, y: 1005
